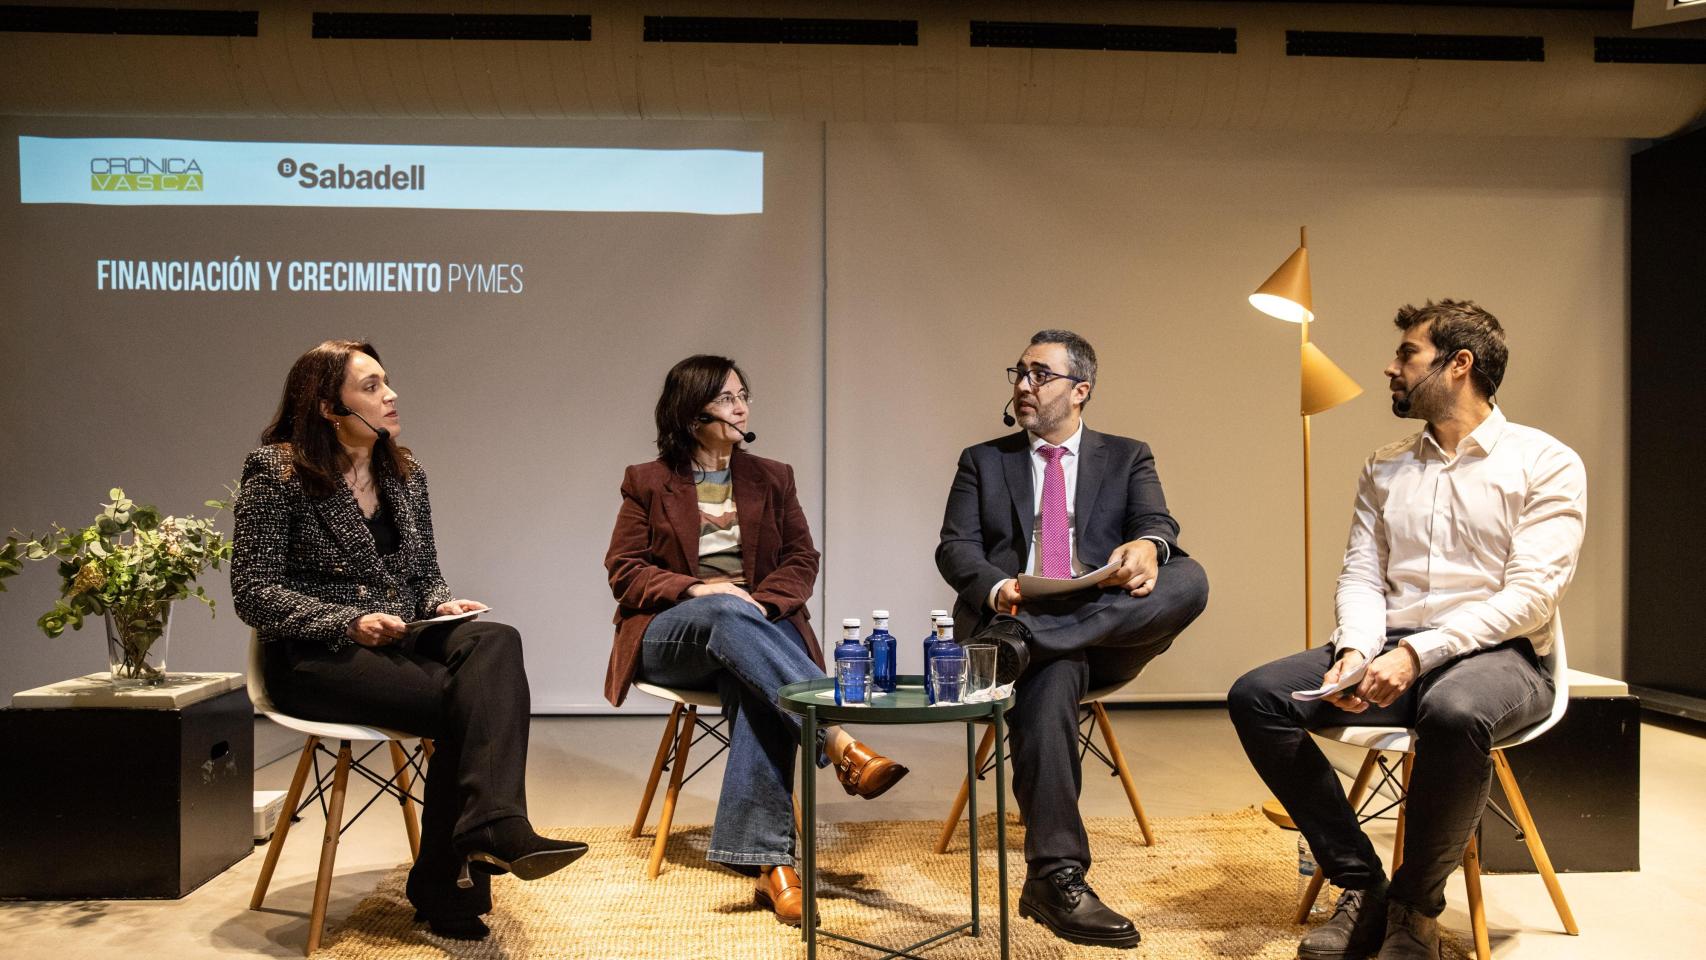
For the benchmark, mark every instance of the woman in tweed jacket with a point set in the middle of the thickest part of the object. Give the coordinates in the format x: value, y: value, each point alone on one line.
x: 333, y: 557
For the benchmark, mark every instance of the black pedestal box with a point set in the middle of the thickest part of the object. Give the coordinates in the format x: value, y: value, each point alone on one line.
x: 125, y: 803
x: 1582, y: 781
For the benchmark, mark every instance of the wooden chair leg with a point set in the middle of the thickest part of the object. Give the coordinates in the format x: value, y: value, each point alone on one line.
x: 983, y: 749
x: 1407, y: 764
x: 1477, y: 906
x: 1124, y: 771
x: 657, y: 771
x: 1358, y: 787
x: 329, y: 847
x: 798, y: 829
x: 292, y: 797
x: 411, y: 823
x: 683, y: 742
x: 1531, y: 835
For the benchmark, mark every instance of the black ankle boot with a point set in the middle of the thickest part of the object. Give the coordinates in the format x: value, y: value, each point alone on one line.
x: 510, y: 846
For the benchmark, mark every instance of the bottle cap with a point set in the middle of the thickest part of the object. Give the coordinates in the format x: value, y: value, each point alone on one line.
x: 850, y: 622
x: 938, y: 613
x: 943, y: 620
x: 879, y: 614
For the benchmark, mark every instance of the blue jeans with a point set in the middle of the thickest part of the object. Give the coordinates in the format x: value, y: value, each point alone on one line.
x: 720, y: 642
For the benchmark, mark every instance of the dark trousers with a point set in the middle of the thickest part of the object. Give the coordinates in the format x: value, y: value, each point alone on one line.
x: 463, y: 685
x: 1110, y: 640
x: 1458, y: 711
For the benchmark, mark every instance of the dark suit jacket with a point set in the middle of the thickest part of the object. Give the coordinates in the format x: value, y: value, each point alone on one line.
x: 302, y: 568
x: 986, y: 531
x: 655, y: 549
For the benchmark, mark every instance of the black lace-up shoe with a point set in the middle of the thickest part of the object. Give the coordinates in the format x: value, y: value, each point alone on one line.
x: 1355, y: 930
x: 1064, y: 902
x: 1012, y: 650
x: 1409, y: 935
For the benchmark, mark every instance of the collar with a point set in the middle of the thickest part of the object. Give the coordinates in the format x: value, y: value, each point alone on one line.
x: 1071, y: 443
x: 1484, y: 437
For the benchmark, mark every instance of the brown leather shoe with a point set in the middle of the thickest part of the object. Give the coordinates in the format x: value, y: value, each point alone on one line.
x: 865, y: 773
x: 779, y: 888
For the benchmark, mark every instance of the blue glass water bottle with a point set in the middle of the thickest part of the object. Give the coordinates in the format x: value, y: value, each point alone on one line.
x: 853, y: 689
x: 941, y: 642
x: 882, y: 647
x: 930, y: 638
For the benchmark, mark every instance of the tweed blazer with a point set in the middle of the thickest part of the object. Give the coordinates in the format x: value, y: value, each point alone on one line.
x: 654, y: 551
x: 303, y: 567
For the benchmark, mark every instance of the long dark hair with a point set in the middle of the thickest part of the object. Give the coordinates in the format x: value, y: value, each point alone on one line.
x: 687, y: 388
x: 317, y: 458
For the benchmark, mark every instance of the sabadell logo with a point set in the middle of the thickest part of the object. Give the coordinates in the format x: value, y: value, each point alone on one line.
x: 316, y: 176
x: 155, y: 174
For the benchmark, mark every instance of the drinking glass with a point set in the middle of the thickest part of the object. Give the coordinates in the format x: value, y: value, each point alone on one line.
x: 947, y: 679
x: 852, y: 681
x: 980, y: 672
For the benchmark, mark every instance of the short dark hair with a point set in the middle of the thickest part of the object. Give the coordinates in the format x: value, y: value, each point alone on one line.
x: 1463, y: 325
x: 687, y: 388
x: 1080, y: 356
x: 317, y: 459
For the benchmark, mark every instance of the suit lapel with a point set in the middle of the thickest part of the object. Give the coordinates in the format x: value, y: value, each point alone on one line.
x: 681, y: 506
x: 1017, y: 464
x: 343, y: 518
x: 1092, y: 466
x: 750, y: 505
x: 404, y: 513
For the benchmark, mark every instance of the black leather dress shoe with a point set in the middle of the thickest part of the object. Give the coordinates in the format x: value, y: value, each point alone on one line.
x: 1012, y: 646
x: 510, y: 846
x: 1064, y: 902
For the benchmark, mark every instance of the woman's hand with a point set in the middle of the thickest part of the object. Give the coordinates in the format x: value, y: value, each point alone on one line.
x: 706, y: 589
x: 375, y: 629
x: 451, y: 607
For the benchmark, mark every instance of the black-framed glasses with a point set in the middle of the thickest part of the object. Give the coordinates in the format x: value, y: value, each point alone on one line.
x: 1038, y: 376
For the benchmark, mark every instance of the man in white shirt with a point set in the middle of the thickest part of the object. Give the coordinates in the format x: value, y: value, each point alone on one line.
x: 1464, y: 537
x: 1057, y: 499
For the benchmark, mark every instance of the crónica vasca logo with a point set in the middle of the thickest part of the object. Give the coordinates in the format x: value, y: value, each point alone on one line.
x: 145, y: 173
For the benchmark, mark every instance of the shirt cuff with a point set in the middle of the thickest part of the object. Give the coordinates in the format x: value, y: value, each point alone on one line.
x: 1161, y: 547
x: 1432, y: 647
x: 995, y: 591
x: 1369, y: 647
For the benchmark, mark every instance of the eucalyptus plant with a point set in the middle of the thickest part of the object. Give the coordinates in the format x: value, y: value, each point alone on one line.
x: 129, y: 564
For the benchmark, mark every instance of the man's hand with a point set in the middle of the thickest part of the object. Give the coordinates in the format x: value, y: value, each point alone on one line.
x: 375, y: 629
x: 706, y: 589
x: 1007, y: 597
x: 1389, y: 675
x: 1345, y: 700
x: 450, y: 607
x: 1138, y: 567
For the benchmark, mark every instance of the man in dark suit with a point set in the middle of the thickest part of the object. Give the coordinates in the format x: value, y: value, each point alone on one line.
x: 1059, y: 500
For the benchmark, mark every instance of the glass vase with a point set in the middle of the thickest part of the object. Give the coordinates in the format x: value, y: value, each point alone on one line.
x: 137, y: 638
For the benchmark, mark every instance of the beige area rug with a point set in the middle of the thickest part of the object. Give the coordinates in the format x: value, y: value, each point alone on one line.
x: 1222, y: 885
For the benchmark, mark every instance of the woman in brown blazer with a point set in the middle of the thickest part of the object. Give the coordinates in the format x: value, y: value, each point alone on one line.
x: 712, y: 563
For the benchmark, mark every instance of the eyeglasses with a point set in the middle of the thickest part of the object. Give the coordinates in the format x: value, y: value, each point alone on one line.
x: 727, y: 400
x: 1038, y: 376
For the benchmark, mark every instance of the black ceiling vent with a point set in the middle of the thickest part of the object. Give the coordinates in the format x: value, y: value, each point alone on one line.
x: 452, y: 26
x: 131, y: 21
x: 1413, y: 46
x: 876, y: 33
x: 1648, y: 50
x: 1102, y: 36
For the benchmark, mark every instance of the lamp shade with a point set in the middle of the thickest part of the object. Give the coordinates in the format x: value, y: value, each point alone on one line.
x: 1325, y: 386
x: 1285, y: 295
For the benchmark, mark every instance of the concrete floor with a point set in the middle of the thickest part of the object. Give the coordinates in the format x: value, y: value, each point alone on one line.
x: 590, y: 771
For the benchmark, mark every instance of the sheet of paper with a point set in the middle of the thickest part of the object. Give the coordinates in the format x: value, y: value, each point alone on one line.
x: 1346, y: 682
x: 418, y: 625
x: 1032, y: 588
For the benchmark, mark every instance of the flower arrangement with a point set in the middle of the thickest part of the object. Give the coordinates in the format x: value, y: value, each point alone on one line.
x: 129, y: 565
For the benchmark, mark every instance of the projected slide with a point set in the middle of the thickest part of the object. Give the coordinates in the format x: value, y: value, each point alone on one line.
x: 134, y: 171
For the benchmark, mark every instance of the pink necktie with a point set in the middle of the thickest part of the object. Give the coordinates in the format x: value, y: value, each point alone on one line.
x: 1057, y: 545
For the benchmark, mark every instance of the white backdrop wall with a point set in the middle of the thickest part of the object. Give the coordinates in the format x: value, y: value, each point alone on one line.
x: 895, y: 271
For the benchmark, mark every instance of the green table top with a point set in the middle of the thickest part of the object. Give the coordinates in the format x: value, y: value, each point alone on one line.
x: 906, y: 704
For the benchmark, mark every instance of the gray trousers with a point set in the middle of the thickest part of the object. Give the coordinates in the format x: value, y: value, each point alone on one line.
x: 1083, y: 642
x: 1458, y: 711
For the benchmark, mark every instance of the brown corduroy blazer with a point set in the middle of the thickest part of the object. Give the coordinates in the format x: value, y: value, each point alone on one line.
x: 654, y: 550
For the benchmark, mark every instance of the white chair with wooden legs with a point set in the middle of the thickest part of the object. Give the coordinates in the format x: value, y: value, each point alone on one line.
x: 331, y: 788
x: 1090, y: 709
x: 1401, y: 740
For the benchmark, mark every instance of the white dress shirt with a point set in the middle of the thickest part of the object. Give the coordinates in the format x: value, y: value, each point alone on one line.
x: 1069, y: 467
x: 1471, y: 550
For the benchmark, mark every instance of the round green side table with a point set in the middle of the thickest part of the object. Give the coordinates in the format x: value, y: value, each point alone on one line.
x: 814, y: 701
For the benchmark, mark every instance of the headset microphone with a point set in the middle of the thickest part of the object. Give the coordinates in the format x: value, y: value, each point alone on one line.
x: 1402, y: 405
x: 344, y: 411
x: 744, y: 435
x: 1006, y: 417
